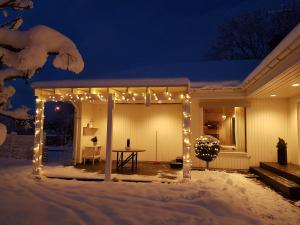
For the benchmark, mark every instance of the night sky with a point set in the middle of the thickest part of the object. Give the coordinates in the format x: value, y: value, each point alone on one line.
x: 117, y: 36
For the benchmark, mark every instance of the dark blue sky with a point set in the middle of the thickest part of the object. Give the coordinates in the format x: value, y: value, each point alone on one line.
x: 117, y: 35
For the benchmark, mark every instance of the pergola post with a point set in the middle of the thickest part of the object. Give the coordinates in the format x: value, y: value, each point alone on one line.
x: 109, y: 132
x: 38, y: 137
x: 186, y: 115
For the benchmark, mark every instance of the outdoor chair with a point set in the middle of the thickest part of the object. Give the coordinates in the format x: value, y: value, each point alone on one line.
x: 92, y: 153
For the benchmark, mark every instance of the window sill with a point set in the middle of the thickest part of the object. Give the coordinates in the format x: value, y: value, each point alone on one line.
x: 234, y: 154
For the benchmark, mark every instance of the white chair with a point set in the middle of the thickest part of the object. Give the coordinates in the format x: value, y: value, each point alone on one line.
x: 91, y: 152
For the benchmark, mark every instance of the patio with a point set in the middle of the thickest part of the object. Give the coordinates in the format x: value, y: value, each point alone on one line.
x: 147, y: 172
x: 154, y: 114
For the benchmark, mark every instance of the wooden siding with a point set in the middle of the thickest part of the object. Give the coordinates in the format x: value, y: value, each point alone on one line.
x: 140, y: 124
x: 293, y: 131
x: 266, y: 121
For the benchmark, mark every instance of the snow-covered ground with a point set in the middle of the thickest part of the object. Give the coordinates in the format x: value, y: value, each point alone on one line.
x: 210, y: 198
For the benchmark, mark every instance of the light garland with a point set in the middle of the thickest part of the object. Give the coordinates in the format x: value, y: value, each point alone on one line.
x: 186, y: 131
x: 38, y: 137
x: 124, y: 97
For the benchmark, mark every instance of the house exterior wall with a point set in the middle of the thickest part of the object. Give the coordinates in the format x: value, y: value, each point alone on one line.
x: 266, y: 120
x: 293, y: 130
x: 141, y: 124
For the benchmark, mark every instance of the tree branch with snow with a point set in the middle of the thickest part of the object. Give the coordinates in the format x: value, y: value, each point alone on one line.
x: 23, y: 53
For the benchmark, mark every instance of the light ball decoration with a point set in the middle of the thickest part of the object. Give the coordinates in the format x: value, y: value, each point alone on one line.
x: 207, y: 148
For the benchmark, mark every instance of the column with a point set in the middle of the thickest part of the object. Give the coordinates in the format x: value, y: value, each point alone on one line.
x: 38, y: 137
x: 109, y: 132
x: 186, y: 115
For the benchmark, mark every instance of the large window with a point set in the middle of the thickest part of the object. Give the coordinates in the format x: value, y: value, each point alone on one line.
x: 228, y: 125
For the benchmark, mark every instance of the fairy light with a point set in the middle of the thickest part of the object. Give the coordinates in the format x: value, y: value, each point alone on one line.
x: 38, y: 137
x: 186, y: 114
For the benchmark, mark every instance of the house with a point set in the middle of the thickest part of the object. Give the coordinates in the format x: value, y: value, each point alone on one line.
x: 164, y: 116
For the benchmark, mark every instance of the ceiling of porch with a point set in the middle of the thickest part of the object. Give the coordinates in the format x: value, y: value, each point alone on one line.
x: 285, y: 85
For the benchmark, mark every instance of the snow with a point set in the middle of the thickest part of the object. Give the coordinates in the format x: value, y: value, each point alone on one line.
x: 210, y: 198
x: 23, y: 53
x: 17, y: 4
x: 142, y: 82
x: 216, y: 85
x: 3, y: 133
x: 35, y: 48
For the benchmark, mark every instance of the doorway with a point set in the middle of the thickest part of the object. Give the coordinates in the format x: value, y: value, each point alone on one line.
x: 58, y: 133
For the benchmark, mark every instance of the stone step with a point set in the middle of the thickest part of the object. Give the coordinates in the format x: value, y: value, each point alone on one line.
x: 287, y: 187
x: 289, y: 171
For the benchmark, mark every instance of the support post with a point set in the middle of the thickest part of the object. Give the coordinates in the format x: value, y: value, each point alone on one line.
x: 38, y: 137
x: 186, y: 117
x: 75, y: 133
x: 109, y: 131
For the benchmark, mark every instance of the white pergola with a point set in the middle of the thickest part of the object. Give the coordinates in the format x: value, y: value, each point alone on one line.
x: 111, y: 92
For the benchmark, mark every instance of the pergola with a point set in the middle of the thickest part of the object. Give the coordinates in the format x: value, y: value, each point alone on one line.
x: 111, y: 92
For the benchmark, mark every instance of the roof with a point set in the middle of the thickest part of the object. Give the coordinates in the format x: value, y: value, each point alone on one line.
x: 102, y: 83
x: 258, y: 77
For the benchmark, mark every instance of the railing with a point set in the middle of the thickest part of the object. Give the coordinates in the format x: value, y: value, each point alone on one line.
x: 17, y: 146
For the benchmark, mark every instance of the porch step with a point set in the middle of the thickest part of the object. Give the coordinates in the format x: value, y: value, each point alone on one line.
x: 176, y: 165
x: 289, y: 171
x: 287, y: 187
x: 179, y: 159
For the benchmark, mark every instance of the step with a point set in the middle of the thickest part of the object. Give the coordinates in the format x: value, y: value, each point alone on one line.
x: 287, y: 187
x: 176, y: 165
x: 289, y: 171
x: 179, y: 159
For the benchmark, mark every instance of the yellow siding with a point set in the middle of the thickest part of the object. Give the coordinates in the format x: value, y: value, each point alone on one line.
x: 266, y: 121
x: 140, y: 124
x: 293, y: 131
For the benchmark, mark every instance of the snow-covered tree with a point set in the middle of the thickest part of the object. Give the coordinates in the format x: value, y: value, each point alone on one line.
x: 23, y: 53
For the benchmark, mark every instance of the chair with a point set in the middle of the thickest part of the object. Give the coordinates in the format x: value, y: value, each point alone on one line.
x: 91, y: 152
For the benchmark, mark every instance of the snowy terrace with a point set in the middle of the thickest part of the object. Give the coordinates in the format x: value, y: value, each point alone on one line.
x: 84, y: 94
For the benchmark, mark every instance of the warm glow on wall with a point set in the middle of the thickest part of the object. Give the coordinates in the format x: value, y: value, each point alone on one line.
x: 295, y: 85
x: 273, y: 95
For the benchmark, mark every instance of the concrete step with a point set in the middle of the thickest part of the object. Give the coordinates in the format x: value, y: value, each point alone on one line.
x: 289, y: 171
x: 287, y: 187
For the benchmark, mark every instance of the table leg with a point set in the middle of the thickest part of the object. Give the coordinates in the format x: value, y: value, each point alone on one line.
x: 136, y: 161
x: 117, y: 161
x: 132, y: 162
x: 122, y: 160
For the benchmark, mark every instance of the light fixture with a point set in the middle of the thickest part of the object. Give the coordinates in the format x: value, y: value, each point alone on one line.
x: 273, y: 95
x: 223, y: 115
x: 296, y: 85
x: 57, y: 108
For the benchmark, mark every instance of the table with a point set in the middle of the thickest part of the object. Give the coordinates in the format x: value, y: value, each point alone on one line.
x: 133, y: 156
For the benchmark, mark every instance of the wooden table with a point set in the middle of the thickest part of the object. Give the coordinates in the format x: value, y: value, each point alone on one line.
x: 133, y: 156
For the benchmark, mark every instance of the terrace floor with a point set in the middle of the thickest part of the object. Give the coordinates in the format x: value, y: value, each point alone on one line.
x: 147, y: 172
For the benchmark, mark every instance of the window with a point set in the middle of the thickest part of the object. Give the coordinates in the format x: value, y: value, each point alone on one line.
x: 226, y: 124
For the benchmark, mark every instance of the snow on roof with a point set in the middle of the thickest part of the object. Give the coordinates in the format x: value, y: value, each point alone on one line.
x: 165, y: 75
x: 196, y: 71
x: 216, y: 85
x: 143, y: 82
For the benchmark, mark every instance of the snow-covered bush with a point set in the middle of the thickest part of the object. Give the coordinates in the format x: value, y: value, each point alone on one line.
x: 23, y: 53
